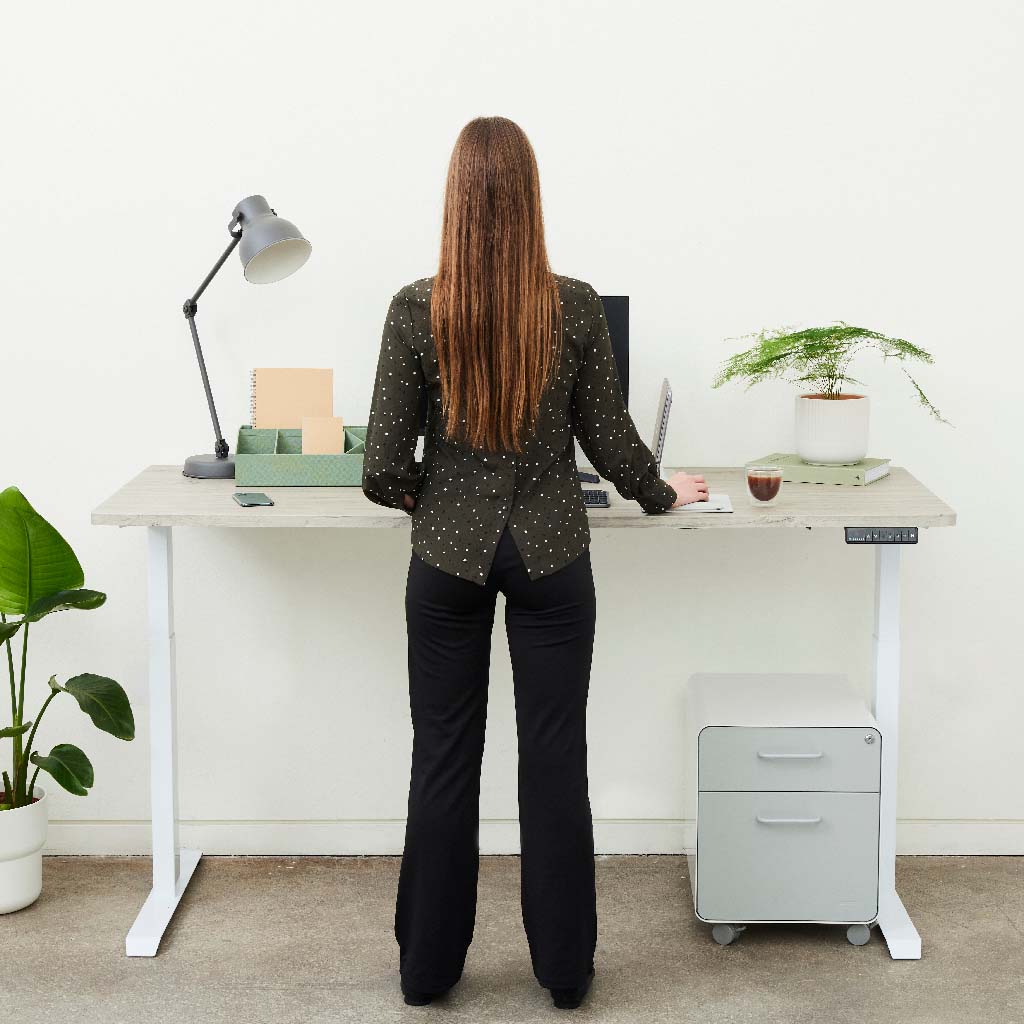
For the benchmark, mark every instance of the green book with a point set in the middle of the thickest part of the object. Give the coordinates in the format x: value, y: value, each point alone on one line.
x: 796, y: 471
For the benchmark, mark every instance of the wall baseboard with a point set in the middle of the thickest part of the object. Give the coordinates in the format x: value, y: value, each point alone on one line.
x: 965, y: 836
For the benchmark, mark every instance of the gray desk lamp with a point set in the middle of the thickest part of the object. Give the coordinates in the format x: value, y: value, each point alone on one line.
x: 271, y: 249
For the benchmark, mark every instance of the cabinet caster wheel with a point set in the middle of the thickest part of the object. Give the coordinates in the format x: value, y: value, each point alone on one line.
x: 858, y: 934
x: 724, y: 934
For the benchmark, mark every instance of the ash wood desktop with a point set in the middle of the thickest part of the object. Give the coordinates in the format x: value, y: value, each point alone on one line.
x: 160, y: 498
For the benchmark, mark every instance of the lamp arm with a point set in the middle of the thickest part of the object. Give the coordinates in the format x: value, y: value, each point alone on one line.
x: 190, y: 308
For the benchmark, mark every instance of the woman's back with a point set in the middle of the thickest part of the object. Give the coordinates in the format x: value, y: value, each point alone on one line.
x: 466, y: 495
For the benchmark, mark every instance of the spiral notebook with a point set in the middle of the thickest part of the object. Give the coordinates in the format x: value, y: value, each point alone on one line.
x: 281, y: 397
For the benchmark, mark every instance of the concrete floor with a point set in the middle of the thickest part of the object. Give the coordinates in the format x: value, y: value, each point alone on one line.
x: 309, y: 940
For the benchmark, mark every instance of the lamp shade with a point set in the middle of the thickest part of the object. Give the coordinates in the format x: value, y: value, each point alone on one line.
x: 271, y: 247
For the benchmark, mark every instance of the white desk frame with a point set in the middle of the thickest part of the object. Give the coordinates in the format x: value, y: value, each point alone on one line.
x: 172, y: 866
x: 161, y: 498
x: 893, y: 920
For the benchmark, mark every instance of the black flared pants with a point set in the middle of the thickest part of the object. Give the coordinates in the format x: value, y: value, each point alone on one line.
x: 550, y: 627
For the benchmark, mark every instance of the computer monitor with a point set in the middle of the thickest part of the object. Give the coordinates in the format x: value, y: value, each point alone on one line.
x: 616, y: 312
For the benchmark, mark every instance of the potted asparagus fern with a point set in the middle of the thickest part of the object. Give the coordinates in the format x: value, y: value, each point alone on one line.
x: 831, y: 422
x: 40, y: 575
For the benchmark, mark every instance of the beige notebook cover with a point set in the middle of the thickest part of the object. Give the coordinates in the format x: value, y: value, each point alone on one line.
x: 322, y: 435
x: 282, y: 397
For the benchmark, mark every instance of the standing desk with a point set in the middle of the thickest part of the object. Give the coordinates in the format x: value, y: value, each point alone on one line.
x: 160, y: 498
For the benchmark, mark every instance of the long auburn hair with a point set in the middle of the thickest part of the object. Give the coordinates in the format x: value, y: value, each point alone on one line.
x: 495, y: 310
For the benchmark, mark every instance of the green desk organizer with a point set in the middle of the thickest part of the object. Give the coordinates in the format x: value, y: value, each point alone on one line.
x: 273, y: 458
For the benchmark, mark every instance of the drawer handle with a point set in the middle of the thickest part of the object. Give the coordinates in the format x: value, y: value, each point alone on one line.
x: 788, y: 821
x: 790, y: 757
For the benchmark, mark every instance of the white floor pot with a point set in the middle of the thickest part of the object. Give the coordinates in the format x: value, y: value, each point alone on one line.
x: 832, y: 431
x: 22, y: 836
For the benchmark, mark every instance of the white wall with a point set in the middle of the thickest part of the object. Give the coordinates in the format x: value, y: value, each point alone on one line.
x: 730, y: 166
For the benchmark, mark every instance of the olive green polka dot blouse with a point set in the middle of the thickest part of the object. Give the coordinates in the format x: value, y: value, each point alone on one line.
x: 464, y: 496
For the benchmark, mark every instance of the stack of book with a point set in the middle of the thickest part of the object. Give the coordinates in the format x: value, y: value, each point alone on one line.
x: 796, y: 471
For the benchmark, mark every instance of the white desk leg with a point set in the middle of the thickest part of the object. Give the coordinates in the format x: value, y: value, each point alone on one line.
x: 894, y: 921
x: 172, y: 868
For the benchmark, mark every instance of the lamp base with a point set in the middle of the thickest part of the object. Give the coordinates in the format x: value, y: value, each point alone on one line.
x: 209, y: 467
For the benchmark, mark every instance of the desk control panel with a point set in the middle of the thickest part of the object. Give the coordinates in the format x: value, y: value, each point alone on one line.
x: 881, y: 534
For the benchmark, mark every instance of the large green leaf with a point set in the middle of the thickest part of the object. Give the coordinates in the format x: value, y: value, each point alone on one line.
x: 69, y: 766
x: 62, y: 600
x: 35, y: 560
x: 105, y: 703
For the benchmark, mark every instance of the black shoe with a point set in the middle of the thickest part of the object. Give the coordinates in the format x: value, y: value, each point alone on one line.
x: 570, y: 998
x: 416, y: 998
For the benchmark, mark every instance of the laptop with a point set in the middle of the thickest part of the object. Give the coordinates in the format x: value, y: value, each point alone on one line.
x: 715, y: 502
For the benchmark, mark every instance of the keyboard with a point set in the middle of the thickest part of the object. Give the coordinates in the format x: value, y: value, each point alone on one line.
x: 595, y: 499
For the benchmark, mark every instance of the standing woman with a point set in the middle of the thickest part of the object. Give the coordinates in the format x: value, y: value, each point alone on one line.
x: 510, y: 362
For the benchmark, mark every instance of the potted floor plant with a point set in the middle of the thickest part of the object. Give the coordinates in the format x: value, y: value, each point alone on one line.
x: 40, y: 575
x: 831, y: 422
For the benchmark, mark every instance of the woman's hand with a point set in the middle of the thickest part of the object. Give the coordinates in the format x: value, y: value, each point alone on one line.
x: 409, y: 501
x: 688, y: 488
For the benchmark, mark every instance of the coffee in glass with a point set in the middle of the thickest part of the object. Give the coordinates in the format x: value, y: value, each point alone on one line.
x: 763, y: 484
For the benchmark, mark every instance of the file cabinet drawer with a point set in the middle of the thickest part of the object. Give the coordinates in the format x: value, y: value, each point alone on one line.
x: 787, y: 857
x: 739, y: 758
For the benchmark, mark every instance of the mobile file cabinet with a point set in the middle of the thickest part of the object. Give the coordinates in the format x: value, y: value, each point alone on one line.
x: 787, y: 786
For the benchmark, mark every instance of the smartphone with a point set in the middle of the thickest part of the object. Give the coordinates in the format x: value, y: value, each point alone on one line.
x: 249, y: 498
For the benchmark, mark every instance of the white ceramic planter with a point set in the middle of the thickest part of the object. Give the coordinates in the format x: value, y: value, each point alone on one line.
x: 22, y: 835
x: 832, y: 431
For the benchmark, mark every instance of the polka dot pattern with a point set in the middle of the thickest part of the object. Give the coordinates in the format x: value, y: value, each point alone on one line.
x: 466, y: 496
